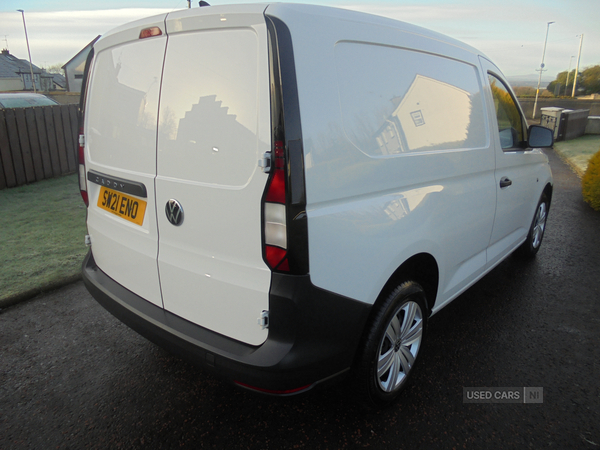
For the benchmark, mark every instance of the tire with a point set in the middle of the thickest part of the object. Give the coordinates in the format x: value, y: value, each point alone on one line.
x: 532, y: 244
x: 391, y: 345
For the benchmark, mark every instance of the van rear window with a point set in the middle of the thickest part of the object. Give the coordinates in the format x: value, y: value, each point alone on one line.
x: 123, y: 105
x: 209, y: 107
x: 396, y: 101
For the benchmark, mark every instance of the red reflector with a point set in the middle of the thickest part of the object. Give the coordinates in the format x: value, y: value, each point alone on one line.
x: 275, y: 255
x: 284, y: 266
x: 149, y: 32
x: 275, y: 392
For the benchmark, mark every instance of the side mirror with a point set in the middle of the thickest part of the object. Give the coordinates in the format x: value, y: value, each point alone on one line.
x: 540, y: 137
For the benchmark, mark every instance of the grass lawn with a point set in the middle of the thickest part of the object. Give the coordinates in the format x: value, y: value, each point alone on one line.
x: 42, y: 229
x: 579, y: 151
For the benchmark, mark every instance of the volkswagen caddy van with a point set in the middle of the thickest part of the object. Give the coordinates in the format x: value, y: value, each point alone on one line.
x: 284, y: 194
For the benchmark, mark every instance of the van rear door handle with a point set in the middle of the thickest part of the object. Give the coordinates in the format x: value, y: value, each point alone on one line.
x: 505, y: 182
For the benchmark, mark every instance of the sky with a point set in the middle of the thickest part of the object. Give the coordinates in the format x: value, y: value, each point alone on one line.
x: 510, y: 32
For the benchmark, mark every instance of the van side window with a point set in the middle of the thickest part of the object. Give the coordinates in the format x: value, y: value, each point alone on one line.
x: 510, y: 122
x: 396, y: 101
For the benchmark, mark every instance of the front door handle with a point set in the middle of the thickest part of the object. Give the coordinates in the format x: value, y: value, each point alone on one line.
x: 505, y: 182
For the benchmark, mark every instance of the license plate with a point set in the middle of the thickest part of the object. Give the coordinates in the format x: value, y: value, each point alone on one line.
x: 123, y: 205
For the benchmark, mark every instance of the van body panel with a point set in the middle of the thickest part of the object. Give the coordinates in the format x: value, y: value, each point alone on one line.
x: 369, y: 196
x: 516, y: 204
x: 213, y: 129
x: 121, y: 142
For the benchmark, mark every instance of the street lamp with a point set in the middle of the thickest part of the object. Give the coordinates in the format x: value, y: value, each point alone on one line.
x: 541, y: 69
x: 28, y: 51
x: 577, y: 67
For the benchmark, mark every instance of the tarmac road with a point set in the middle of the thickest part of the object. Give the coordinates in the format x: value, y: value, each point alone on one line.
x: 72, y: 376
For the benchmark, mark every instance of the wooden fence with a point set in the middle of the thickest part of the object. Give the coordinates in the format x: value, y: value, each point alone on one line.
x: 37, y: 143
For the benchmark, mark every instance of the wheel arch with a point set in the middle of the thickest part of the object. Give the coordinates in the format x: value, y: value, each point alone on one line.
x: 421, y: 268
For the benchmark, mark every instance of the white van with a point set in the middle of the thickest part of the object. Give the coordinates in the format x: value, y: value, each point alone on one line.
x: 285, y: 193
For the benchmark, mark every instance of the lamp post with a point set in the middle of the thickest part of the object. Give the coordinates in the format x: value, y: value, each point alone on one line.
x: 577, y: 67
x: 537, y: 93
x: 28, y: 51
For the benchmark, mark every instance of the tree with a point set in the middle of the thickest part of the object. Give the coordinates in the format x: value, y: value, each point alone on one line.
x: 588, y: 82
x: 55, y: 68
x: 560, y: 81
x: 524, y: 91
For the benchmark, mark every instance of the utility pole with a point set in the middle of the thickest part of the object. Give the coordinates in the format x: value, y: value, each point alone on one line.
x: 28, y: 51
x: 568, y: 73
x: 537, y: 93
x: 577, y: 68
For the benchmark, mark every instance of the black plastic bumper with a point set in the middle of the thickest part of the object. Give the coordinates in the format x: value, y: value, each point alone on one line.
x: 313, y: 334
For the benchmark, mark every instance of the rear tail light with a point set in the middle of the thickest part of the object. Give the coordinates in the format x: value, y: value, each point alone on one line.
x: 275, y: 221
x: 81, y: 158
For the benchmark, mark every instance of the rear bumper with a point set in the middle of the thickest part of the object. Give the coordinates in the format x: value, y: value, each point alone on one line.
x: 313, y: 334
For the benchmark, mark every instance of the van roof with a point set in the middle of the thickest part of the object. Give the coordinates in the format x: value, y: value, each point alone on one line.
x: 294, y: 9
x: 286, y: 11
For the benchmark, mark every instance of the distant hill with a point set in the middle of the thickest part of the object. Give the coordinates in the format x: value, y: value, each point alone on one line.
x: 528, y: 81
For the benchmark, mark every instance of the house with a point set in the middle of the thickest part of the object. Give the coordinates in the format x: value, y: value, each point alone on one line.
x: 74, y: 68
x: 15, y: 75
x: 60, y: 82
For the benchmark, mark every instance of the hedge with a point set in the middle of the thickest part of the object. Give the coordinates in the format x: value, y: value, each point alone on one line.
x: 590, y: 183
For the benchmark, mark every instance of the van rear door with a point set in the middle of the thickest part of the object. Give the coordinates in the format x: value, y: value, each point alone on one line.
x: 214, y: 125
x: 120, y: 155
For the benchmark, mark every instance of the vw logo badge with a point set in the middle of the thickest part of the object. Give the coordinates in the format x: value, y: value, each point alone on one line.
x: 174, y: 212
